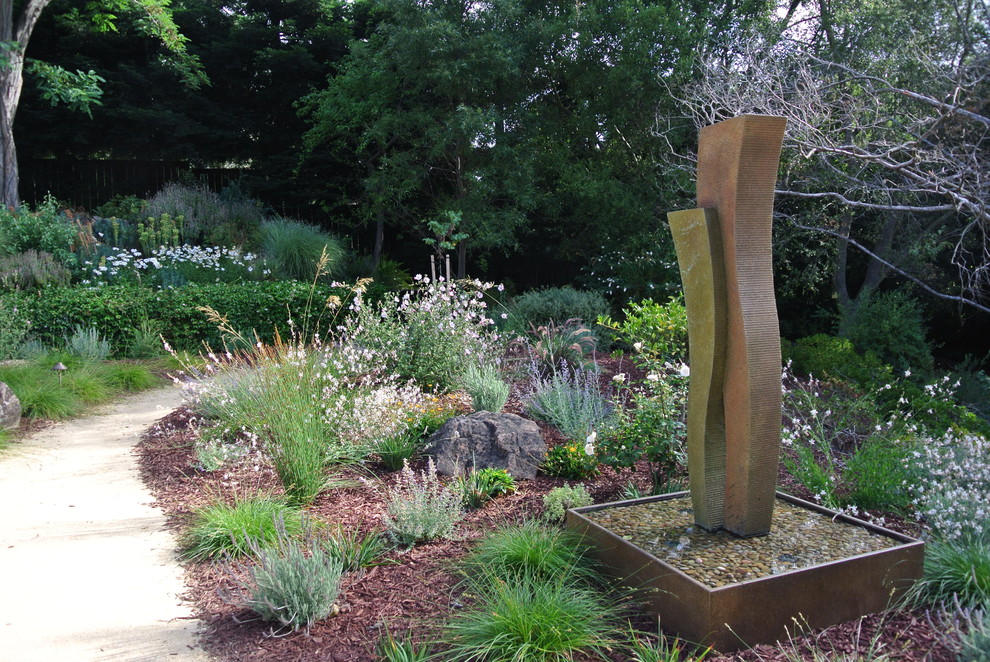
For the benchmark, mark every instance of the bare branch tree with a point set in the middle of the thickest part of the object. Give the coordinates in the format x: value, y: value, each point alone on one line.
x: 875, y: 143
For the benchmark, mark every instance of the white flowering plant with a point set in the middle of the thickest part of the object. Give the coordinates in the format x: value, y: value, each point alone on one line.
x: 953, y: 493
x: 841, y: 447
x: 170, y: 266
x: 429, y: 334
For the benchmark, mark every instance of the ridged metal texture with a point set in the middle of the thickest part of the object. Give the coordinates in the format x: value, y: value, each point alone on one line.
x: 698, y: 242
x: 737, y: 170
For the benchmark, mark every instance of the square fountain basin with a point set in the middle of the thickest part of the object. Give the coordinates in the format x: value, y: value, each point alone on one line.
x: 764, y: 609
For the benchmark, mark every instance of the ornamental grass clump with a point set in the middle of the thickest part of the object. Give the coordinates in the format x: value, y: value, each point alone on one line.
x: 420, y: 508
x: 530, y: 549
x: 531, y: 618
x: 294, y: 584
x: 229, y: 530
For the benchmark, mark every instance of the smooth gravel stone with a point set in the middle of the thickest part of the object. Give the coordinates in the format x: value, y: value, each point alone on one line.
x: 798, y: 538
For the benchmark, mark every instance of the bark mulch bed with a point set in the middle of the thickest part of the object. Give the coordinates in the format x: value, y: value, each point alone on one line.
x: 417, y: 589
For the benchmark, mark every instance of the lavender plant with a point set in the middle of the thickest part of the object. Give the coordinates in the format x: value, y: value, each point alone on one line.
x: 569, y: 399
x: 421, y: 508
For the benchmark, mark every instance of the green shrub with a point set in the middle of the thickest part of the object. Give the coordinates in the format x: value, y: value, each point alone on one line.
x: 420, y: 508
x: 120, y: 206
x: 46, y: 229
x: 530, y: 618
x: 485, y: 386
x: 560, y: 499
x: 571, y: 400
x: 480, y: 486
x: 292, y: 249
x: 13, y: 328
x: 229, y: 530
x: 31, y: 270
x: 294, y: 584
x: 569, y: 461
x: 115, y: 310
x: 826, y: 356
x: 656, y: 330
x: 554, y: 304
x: 890, y: 326
x: 530, y: 549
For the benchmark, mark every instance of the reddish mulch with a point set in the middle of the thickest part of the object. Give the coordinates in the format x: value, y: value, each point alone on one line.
x: 418, y: 588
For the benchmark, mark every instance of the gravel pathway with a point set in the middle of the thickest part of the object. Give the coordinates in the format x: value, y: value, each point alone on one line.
x: 87, y: 570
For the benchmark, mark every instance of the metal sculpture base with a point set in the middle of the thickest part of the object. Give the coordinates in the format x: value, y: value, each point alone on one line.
x: 761, y: 610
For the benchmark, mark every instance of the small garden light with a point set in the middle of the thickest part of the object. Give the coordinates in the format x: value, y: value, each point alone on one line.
x: 59, y: 368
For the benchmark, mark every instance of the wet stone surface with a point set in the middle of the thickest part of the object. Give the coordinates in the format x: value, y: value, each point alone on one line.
x: 798, y: 538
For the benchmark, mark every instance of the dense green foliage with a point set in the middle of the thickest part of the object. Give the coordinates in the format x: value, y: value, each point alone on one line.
x: 222, y: 530
x: 116, y: 310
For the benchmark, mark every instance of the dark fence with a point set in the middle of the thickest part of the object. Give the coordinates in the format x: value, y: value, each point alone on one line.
x: 86, y: 184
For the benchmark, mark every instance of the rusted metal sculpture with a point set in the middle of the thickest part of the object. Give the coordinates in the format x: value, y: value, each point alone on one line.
x: 724, y: 252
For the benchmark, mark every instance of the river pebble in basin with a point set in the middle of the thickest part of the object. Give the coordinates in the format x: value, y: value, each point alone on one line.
x: 798, y: 538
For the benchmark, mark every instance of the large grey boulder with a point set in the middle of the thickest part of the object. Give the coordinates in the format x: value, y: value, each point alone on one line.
x: 484, y: 439
x: 10, y: 408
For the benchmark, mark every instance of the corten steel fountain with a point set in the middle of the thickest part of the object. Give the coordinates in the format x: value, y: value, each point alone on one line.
x: 714, y: 564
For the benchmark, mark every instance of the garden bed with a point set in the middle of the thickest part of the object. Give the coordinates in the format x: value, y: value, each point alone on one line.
x: 415, y: 590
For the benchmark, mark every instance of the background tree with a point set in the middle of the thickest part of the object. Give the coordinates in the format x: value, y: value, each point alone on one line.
x: 887, y: 143
x: 78, y: 89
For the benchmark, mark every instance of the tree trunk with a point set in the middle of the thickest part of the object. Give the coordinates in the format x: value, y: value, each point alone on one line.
x: 11, y: 80
x: 376, y: 253
x: 8, y: 161
x: 462, y: 258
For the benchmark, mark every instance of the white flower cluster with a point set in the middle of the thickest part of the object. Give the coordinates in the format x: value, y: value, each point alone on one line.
x: 123, y: 263
x: 954, y: 495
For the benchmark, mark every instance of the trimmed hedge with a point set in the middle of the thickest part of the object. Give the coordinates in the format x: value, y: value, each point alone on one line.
x: 116, y: 309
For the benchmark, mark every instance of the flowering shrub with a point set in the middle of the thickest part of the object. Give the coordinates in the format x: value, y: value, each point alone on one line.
x: 650, y: 426
x: 428, y: 334
x: 844, y: 451
x: 954, y: 493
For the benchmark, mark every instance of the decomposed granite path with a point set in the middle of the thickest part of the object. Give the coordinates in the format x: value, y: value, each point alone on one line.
x: 87, y: 570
